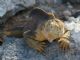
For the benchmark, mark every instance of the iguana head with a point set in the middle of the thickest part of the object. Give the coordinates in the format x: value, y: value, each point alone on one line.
x: 52, y: 28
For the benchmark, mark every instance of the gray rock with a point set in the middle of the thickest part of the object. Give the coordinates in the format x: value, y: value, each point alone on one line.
x: 10, y: 7
x: 17, y: 49
x: 72, y: 1
x: 49, y: 2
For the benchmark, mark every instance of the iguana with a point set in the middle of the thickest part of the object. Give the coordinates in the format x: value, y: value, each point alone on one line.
x: 39, y: 27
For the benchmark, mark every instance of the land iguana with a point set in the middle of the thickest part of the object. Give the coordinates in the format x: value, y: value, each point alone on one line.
x: 39, y: 27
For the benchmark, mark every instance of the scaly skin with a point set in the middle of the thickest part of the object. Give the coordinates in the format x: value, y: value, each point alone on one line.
x: 51, y: 29
x: 38, y: 28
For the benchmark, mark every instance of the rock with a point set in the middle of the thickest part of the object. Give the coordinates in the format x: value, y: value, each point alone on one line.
x: 10, y: 7
x: 73, y: 23
x: 16, y: 49
x: 72, y: 1
x: 49, y: 2
x: 76, y: 14
x: 67, y: 13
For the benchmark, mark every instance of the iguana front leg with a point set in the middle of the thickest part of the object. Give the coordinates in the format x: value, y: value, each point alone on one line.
x: 30, y: 40
x: 64, y: 41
